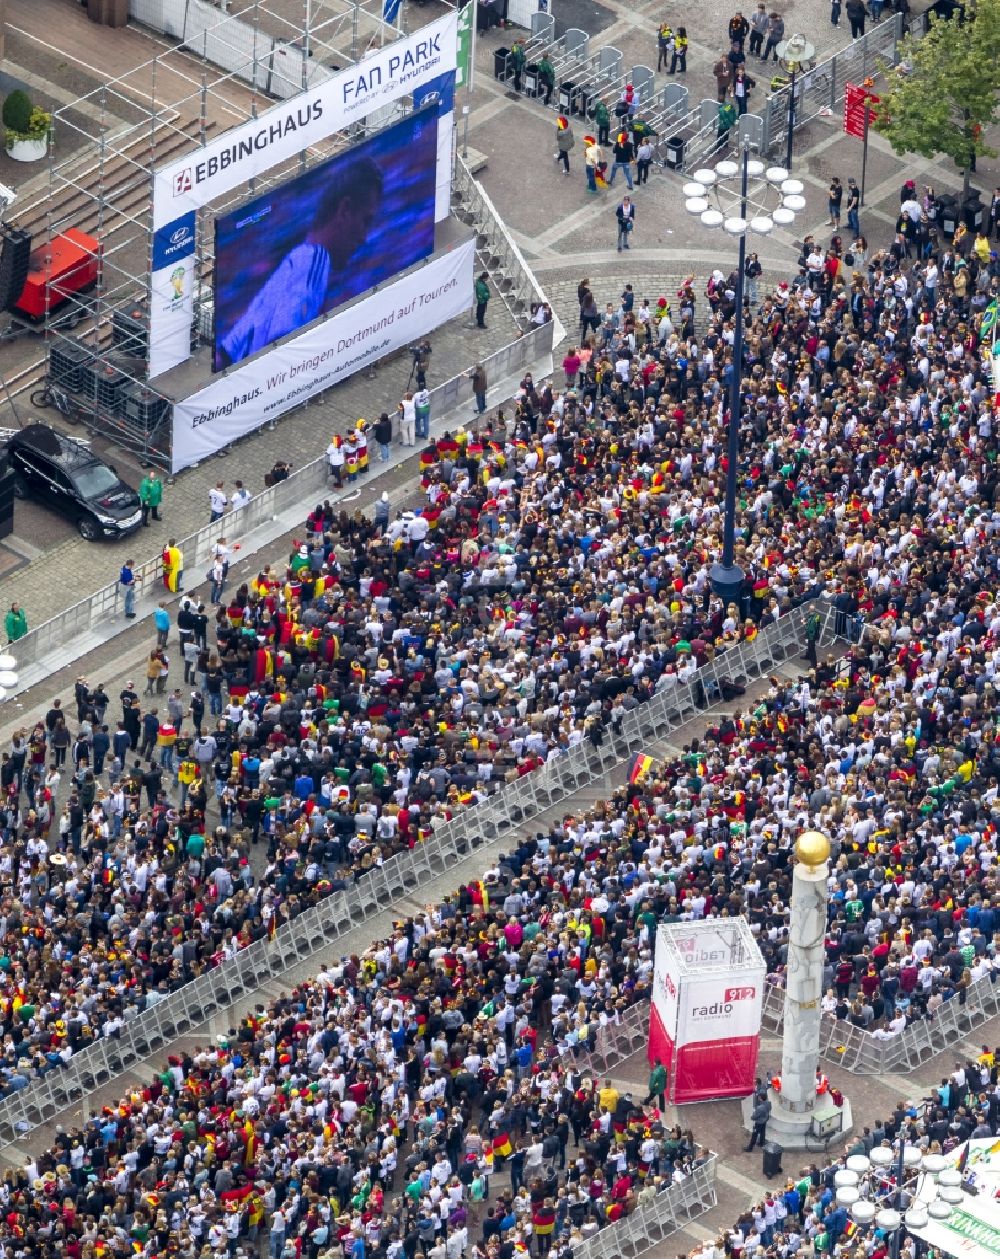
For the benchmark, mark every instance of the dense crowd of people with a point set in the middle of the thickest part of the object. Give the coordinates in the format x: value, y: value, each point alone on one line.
x: 552, y: 577
x: 370, y: 1108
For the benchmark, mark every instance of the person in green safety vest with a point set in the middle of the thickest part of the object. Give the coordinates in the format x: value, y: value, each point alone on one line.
x: 727, y: 117
x: 546, y: 77
x: 603, y: 120
x: 657, y: 1084
x: 15, y: 623
x: 517, y: 60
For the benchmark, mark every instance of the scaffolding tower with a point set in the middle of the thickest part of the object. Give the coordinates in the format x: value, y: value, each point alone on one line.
x: 227, y: 62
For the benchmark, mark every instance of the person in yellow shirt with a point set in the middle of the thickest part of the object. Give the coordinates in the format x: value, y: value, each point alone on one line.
x: 679, y: 55
x: 187, y: 772
x: 608, y: 1097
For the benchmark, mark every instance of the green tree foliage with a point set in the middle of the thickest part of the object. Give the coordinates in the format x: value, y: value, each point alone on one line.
x: 948, y: 96
x: 17, y: 111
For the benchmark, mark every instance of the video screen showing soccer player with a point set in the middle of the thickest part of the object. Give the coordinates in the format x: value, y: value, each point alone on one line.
x: 325, y: 237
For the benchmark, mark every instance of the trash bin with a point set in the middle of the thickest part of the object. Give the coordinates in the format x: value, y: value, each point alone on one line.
x: 675, y: 152
x: 772, y: 1158
x: 566, y: 91
x: 947, y: 213
x: 500, y: 67
x: 531, y: 79
x: 972, y: 211
x: 582, y: 98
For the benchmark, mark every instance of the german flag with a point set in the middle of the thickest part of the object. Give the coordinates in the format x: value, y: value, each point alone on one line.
x: 502, y: 1145
x: 641, y: 768
x: 543, y: 1220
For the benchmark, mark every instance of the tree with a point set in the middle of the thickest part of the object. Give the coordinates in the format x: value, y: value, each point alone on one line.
x: 945, y: 100
x: 17, y: 111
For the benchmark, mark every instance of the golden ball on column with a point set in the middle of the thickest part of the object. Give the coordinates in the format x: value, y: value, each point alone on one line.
x: 812, y: 848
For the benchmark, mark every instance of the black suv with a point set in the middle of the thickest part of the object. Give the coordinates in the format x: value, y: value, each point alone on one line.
x: 67, y: 475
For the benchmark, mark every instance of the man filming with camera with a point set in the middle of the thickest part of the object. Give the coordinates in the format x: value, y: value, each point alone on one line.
x: 421, y: 361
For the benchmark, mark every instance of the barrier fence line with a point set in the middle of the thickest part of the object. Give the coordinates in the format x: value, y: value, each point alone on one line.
x: 615, y: 1042
x: 863, y: 1053
x: 652, y: 1222
x: 821, y: 90
x: 80, y: 624
x: 499, y: 244
x: 404, y: 874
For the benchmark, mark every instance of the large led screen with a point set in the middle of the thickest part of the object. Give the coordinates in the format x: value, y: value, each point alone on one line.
x: 323, y: 238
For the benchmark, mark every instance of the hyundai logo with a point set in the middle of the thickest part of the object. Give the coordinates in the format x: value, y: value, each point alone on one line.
x: 180, y: 237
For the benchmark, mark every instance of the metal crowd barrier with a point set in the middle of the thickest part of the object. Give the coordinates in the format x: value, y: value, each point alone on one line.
x: 405, y: 874
x: 514, y: 281
x: 614, y: 1043
x: 821, y: 89
x: 861, y: 1052
x: 652, y: 1222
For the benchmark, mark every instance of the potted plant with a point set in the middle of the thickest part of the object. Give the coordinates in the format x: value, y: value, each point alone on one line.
x: 27, y: 128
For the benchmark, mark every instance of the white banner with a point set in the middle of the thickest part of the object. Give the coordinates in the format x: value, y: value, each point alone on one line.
x: 284, y: 131
x: 172, y: 302
x: 247, y: 151
x: 665, y: 991
x: 270, y: 385
x: 720, y: 1008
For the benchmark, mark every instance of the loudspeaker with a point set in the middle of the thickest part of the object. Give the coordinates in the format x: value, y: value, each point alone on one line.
x: 6, y: 498
x: 68, y: 360
x: 143, y: 408
x: 15, y: 254
x: 103, y: 385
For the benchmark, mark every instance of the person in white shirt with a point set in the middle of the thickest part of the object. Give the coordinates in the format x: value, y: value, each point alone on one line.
x: 407, y: 419
x: 241, y: 496
x: 217, y: 501
x: 335, y: 458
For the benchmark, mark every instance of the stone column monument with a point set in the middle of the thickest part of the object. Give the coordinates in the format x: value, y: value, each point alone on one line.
x: 797, y: 1111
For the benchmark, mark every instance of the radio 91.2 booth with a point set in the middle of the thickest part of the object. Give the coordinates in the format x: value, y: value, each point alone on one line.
x: 705, y: 1016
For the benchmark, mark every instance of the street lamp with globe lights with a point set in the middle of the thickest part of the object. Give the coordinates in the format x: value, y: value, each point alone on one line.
x: 795, y: 54
x: 739, y: 197
x: 881, y: 1190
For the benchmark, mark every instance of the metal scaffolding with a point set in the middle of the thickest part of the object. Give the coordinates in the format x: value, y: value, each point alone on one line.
x: 226, y: 63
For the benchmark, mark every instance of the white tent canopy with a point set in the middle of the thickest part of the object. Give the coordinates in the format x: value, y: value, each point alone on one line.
x: 972, y: 1231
